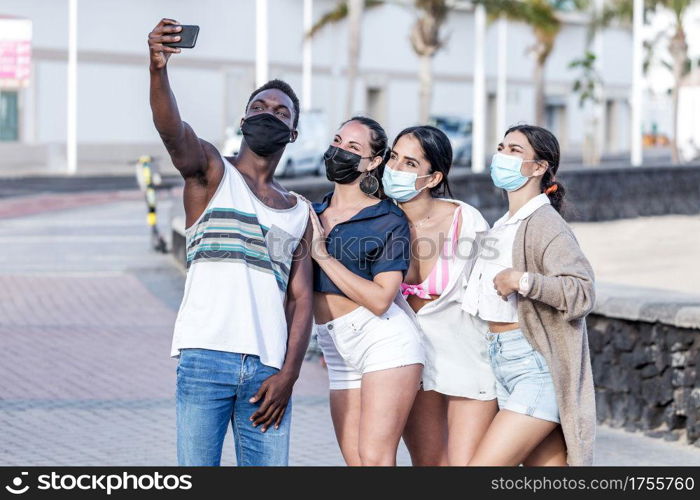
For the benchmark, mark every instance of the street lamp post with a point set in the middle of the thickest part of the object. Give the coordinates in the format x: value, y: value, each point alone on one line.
x: 261, y: 62
x: 479, y: 89
x: 306, y: 57
x: 502, y: 83
x: 72, y: 83
x: 599, y: 131
x: 637, y: 61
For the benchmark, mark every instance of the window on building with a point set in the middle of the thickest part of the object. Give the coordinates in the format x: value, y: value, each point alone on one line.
x: 375, y: 103
x: 9, y: 119
x: 555, y: 120
x: 493, y: 135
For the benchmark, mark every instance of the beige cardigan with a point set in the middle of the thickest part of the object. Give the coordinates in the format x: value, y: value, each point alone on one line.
x: 552, y: 318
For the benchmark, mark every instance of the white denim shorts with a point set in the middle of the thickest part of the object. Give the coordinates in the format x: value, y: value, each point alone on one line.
x: 360, y: 342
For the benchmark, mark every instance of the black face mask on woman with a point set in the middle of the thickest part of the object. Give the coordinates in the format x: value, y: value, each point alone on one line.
x: 265, y: 134
x: 342, y: 166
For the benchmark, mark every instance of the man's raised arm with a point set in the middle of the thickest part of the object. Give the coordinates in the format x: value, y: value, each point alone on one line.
x: 187, y: 151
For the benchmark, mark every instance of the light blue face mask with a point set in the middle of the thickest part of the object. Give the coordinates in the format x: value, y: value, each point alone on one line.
x: 401, y: 186
x: 505, y: 171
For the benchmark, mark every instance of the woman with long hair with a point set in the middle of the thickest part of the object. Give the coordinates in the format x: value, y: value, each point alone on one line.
x: 372, y: 348
x: 534, y: 287
x: 458, y: 397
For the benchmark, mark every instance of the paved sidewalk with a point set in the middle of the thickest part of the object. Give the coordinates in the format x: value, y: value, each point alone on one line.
x: 86, y: 315
x: 48, y: 202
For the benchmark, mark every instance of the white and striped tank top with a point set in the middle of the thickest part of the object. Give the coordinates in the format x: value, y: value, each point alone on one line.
x: 239, y: 256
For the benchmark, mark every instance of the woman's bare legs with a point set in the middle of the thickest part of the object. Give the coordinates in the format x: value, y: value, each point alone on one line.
x: 425, y: 433
x: 387, y: 398
x: 511, y: 438
x: 446, y: 430
x: 468, y: 420
x: 345, y: 412
x: 550, y: 452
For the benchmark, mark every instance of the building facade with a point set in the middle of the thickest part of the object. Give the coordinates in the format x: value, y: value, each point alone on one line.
x: 212, y: 82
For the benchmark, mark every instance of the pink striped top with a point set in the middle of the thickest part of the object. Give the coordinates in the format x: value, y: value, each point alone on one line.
x: 439, y: 276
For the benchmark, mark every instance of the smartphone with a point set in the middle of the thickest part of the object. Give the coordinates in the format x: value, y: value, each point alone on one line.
x: 188, y: 37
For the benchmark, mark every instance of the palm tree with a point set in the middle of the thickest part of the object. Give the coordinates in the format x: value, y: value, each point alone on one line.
x: 543, y: 17
x: 426, y: 41
x: 353, y: 11
x: 677, y: 45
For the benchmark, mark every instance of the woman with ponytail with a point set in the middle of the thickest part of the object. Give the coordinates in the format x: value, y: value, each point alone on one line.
x: 534, y: 287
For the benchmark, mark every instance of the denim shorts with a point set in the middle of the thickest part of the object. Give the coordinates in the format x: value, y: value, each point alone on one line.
x: 523, y: 380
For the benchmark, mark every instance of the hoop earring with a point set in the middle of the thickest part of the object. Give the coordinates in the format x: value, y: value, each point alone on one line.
x: 369, y: 184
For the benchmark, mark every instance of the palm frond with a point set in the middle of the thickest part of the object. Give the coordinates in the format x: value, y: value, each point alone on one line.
x: 589, y: 80
x: 339, y: 13
x: 542, y: 15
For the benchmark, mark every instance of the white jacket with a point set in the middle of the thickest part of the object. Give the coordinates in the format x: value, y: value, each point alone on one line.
x: 457, y: 362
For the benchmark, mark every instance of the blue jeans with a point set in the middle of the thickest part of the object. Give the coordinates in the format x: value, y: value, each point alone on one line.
x: 213, y: 389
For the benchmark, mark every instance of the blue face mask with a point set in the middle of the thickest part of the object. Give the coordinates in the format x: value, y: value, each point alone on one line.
x: 401, y: 186
x: 505, y: 172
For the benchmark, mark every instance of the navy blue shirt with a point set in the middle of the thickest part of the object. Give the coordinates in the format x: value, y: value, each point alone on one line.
x: 377, y: 239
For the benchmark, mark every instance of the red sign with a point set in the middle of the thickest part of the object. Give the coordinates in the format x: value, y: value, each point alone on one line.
x: 15, y: 53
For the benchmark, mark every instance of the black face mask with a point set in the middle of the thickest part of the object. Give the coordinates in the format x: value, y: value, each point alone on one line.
x: 342, y: 166
x: 265, y: 134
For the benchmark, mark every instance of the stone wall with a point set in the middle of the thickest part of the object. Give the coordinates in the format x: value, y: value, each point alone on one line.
x: 593, y: 193
x: 646, y: 377
x: 645, y: 351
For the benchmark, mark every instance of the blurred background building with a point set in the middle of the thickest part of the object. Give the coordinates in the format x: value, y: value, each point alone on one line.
x: 212, y: 82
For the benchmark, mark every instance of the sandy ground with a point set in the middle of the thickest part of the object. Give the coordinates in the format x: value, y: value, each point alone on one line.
x: 657, y: 252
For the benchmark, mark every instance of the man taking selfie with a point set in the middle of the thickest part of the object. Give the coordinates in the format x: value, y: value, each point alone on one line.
x: 244, y: 322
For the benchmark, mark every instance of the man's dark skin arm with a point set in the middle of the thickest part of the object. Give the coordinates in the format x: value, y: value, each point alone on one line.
x: 198, y: 161
x: 277, y: 389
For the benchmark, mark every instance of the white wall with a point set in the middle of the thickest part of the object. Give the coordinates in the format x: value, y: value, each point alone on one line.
x: 50, y: 82
x: 212, y: 82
